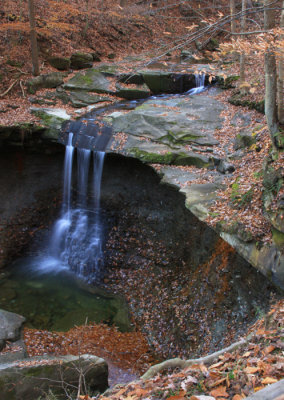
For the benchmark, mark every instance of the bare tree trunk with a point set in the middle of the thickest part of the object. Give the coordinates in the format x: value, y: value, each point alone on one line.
x: 270, y: 80
x: 233, y: 12
x: 280, y: 82
x: 33, y: 38
x: 243, y: 29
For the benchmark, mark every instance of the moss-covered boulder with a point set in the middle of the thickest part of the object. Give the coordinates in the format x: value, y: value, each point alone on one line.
x: 40, y: 376
x: 48, y: 81
x: 81, y: 60
x: 244, y: 139
x: 60, y: 63
x: 52, y: 119
x: 91, y: 81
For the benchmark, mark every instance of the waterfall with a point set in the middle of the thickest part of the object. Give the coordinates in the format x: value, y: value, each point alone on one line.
x: 76, y: 240
x: 199, y: 83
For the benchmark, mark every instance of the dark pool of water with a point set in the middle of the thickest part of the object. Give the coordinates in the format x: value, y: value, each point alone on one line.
x: 56, y: 299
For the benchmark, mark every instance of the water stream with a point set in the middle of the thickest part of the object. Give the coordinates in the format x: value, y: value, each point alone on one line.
x: 76, y: 239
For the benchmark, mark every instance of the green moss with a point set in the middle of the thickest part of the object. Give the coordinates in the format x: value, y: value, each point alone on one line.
x: 227, y: 83
x: 278, y: 238
x: 239, y: 100
x: 155, y: 158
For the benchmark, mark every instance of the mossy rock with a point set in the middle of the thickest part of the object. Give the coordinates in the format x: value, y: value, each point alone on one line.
x: 239, y: 99
x: 60, y: 63
x: 81, y: 60
x: 91, y: 80
x: 227, y: 83
x: 48, y: 81
x: 243, y: 140
x: 137, y: 79
x: 278, y: 238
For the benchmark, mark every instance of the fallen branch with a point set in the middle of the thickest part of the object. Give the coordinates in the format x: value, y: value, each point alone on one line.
x: 9, y: 88
x: 179, y: 363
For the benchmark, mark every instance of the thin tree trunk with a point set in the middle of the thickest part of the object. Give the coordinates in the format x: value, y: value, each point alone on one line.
x: 33, y: 38
x: 243, y: 29
x: 270, y: 80
x: 233, y: 12
x: 280, y: 82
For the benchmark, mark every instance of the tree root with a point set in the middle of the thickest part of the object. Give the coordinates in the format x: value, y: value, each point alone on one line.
x: 179, y: 363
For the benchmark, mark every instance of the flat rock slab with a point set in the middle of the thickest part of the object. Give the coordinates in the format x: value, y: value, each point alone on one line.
x: 91, y: 80
x: 10, y: 327
x: 35, y: 377
x: 174, y: 121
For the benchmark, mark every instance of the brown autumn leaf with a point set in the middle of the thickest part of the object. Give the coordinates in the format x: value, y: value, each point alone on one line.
x: 251, y: 370
x: 268, y: 380
x: 179, y: 396
x: 219, y: 392
x: 237, y: 397
x: 268, y: 349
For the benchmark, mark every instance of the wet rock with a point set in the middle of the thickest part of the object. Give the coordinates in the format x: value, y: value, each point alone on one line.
x: 60, y: 63
x: 81, y: 60
x: 59, y: 375
x: 10, y: 327
x: 91, y: 81
x: 48, y: 81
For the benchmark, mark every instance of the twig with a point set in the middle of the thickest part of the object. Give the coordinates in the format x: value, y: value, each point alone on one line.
x: 22, y: 88
x: 9, y: 88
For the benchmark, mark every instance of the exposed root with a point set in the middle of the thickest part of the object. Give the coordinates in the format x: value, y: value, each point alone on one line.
x: 179, y: 363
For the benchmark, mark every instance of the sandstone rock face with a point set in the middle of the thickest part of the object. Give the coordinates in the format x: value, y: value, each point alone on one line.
x: 35, y: 377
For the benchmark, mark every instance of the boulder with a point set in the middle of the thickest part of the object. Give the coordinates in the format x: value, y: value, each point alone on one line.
x: 60, y: 63
x: 10, y: 327
x: 39, y: 376
x: 225, y: 168
x: 158, y: 81
x: 48, y: 81
x: 244, y: 139
x: 91, y: 80
x: 52, y: 119
x: 81, y: 60
x: 132, y: 93
x: 83, y: 99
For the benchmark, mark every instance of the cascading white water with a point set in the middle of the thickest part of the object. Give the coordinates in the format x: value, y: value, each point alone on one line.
x: 76, y: 241
x: 199, y: 82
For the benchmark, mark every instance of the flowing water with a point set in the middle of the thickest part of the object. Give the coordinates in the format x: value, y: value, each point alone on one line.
x: 199, y: 82
x: 76, y: 240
